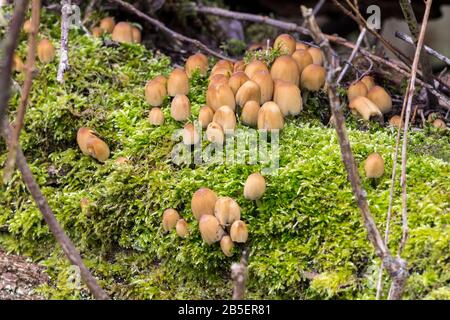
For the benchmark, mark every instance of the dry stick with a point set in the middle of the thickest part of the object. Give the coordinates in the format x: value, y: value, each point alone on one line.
x: 9, y: 47
x: 395, y: 266
x: 29, y: 67
x: 292, y: 27
x: 409, y: 97
x: 239, y: 275
x: 429, y: 50
x: 427, y: 71
x: 6, y: 132
x: 63, y: 52
x: 352, y: 56
x: 159, y: 25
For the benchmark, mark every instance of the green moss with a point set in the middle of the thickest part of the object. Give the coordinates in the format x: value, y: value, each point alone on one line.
x: 307, y: 220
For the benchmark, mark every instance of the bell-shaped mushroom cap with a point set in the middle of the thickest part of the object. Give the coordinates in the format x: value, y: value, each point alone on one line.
x: 223, y: 71
x: 190, y: 134
x: 223, y: 64
x: 313, y: 77
x: 210, y: 229
x: 137, y: 35
x: 182, y: 228
x: 288, y: 98
x: 365, y: 108
x: 205, y: 116
x: 217, y: 79
x: 220, y: 95
x: 169, y: 219
x: 203, y: 202
x: 286, y: 43
x: 120, y: 161
x: 123, y: 33
x: 249, y: 114
x: 239, y: 66
x: 180, y: 108
x: 381, y: 98
x: 97, y: 32
x: 301, y: 46
x: 27, y: 26
x: 226, y: 244
x: 357, y: 89
x: 239, y: 231
x: 83, y: 135
x: 156, y: 117
x: 236, y: 80
x: 303, y: 59
x: 227, y: 210
x: 17, y: 63
x: 214, y: 133
x: 178, y: 83
x: 270, y: 117
x: 45, y: 51
x: 264, y: 80
x: 226, y: 118
x: 161, y: 79
x: 396, y: 121
x: 317, y: 55
x: 107, y: 24
x: 255, y: 186
x: 248, y: 91
x: 285, y: 68
x: 155, y: 92
x: 97, y: 148
x: 254, y: 67
x: 374, y: 166
x: 198, y: 62
x: 369, y: 82
x: 440, y: 124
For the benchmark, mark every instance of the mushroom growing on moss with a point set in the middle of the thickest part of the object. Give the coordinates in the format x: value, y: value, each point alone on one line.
x: 286, y: 43
x: 288, y: 98
x: 249, y: 113
x: 396, y: 121
x: 182, y: 228
x: 97, y: 32
x: 439, y: 123
x: 92, y: 145
x: 254, y: 187
x: 190, y: 134
x: 169, y: 219
x: 365, y: 108
x: 357, y: 89
x: 313, y: 77
x: 248, y: 91
x: 205, y: 116
x: 226, y: 118
x: 198, y: 62
x: 180, y: 108
x: 227, y: 211
x: 264, y: 80
x: 156, y: 117
x: 220, y: 95
x: 137, y: 35
x: 17, y: 64
x: 155, y: 92
x: 214, y: 133
x: 178, y: 83
x: 226, y: 244
x: 123, y: 33
x: 236, y: 80
x: 374, y: 166
x: 107, y: 24
x: 317, y: 55
x: 270, y: 117
x: 369, y: 82
x: 303, y: 59
x: 203, y: 202
x: 254, y: 67
x: 210, y: 229
x: 45, y: 51
x: 27, y: 26
x: 285, y: 68
x: 239, y: 231
x: 381, y: 98
x: 239, y: 66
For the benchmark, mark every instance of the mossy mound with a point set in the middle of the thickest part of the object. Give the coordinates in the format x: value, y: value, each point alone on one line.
x: 307, y: 221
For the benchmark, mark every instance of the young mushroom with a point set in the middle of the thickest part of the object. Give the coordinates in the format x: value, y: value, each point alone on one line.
x: 288, y: 98
x: 182, y: 228
x: 45, y: 51
x: 220, y: 95
x: 107, y: 24
x: 155, y: 92
x: 215, y: 134
x: 270, y: 117
x: 440, y: 124
x: 236, y: 80
x: 178, y: 83
x: 195, y: 62
x: 286, y: 43
x: 249, y: 113
x: 27, y: 26
x: 205, y: 116
x: 317, y: 55
x: 250, y: 90
x: 357, y: 89
x: 210, y: 229
x: 368, y: 81
x: 303, y: 59
x: 180, y: 108
x: 226, y: 118
x: 169, y: 219
x: 381, y: 98
x: 264, y: 80
x: 374, y: 166
x: 227, y: 211
x: 123, y: 33
x: 97, y: 32
x: 137, y: 35
x: 156, y: 117
x: 226, y: 244
x: 203, y: 202
x: 17, y: 64
x: 254, y: 67
x: 190, y: 134
x: 313, y: 77
x: 239, y: 66
x: 239, y: 231
x: 396, y: 121
x: 254, y: 187
x: 91, y: 145
x: 285, y: 68
x: 365, y: 108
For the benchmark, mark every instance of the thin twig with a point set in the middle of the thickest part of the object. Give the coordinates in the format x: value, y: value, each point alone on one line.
x: 429, y: 50
x: 239, y: 275
x: 159, y: 25
x: 66, y: 10
x: 409, y: 98
x: 395, y: 266
x: 29, y: 71
x: 352, y: 56
x: 88, y: 11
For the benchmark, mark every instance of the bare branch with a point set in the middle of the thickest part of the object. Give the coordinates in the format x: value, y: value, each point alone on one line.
x: 352, y: 55
x: 159, y: 25
x: 29, y: 71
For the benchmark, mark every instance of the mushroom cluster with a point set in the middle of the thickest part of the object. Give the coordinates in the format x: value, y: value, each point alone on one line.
x: 122, y: 32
